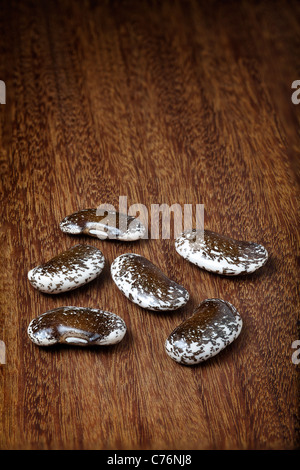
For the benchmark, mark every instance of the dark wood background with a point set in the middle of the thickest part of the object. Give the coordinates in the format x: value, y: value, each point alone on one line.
x: 182, y: 102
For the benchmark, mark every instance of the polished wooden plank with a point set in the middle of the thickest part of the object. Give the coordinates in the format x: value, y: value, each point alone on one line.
x: 182, y: 102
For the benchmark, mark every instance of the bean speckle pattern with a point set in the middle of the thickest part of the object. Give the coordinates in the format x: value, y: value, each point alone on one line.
x: 110, y: 226
x: 219, y: 253
x: 77, y: 326
x: 146, y: 285
x: 214, y: 325
x: 68, y: 270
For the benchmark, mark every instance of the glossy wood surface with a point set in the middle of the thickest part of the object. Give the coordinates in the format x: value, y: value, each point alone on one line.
x: 175, y: 102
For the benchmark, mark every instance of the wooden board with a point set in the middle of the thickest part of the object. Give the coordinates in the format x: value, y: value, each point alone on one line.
x: 175, y: 102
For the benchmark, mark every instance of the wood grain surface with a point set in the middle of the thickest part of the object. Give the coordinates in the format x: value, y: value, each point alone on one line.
x: 183, y: 102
